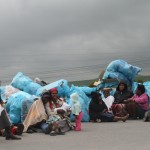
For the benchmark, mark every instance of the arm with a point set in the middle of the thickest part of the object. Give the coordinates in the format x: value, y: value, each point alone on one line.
x: 49, y: 111
x: 142, y: 99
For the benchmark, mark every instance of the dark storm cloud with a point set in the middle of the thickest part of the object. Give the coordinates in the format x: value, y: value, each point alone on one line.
x: 120, y: 24
x: 69, y: 33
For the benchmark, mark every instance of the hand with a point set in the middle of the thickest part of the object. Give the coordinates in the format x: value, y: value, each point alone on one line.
x: 125, y: 101
x: 105, y: 110
x: 128, y: 100
x: 60, y: 111
x: 68, y: 110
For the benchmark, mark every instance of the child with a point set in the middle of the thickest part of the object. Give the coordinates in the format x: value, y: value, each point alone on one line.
x: 76, y: 110
x: 65, y: 107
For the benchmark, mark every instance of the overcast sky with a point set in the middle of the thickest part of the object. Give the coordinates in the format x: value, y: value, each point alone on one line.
x: 72, y: 39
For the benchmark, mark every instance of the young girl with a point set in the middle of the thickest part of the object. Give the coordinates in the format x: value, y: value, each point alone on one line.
x: 76, y: 110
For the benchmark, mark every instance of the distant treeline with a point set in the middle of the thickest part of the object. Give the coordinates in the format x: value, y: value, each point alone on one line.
x: 139, y: 78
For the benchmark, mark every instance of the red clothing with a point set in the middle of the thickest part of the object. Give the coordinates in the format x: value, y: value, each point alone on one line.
x: 141, y: 100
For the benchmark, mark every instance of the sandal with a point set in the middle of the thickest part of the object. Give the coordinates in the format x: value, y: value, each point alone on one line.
x: 53, y: 133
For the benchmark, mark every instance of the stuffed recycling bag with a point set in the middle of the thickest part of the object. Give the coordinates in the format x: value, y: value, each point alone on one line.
x: 25, y: 84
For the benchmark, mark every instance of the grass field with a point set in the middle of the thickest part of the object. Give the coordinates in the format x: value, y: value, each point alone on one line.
x: 139, y: 78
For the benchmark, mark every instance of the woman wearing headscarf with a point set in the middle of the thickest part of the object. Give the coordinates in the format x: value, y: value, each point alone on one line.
x: 58, y: 120
x: 122, y: 93
x: 138, y: 104
x: 98, y: 110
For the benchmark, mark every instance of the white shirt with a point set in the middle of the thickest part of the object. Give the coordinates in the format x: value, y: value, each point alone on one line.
x: 1, y: 109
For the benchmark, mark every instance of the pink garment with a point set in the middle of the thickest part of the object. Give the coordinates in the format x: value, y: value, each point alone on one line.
x: 142, y: 100
x: 78, y: 122
x: 53, y: 90
x: 119, y: 110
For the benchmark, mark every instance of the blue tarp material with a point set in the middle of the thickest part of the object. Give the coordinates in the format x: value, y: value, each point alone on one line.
x: 25, y: 84
x: 25, y: 106
x: 84, y: 101
x: 121, y: 66
x: 2, y: 93
x: 13, y: 106
x: 134, y: 86
x: 147, y: 87
x: 120, y: 70
x: 61, y: 85
x: 117, y: 75
x: 87, y: 90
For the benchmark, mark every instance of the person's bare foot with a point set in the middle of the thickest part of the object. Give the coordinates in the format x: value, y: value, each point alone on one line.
x: 125, y: 118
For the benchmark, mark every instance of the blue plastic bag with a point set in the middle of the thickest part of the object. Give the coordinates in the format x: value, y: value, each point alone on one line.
x: 123, y: 67
x: 13, y: 106
x: 61, y: 85
x: 25, y: 84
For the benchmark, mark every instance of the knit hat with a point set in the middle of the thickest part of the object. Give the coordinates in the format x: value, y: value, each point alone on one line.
x: 74, y: 97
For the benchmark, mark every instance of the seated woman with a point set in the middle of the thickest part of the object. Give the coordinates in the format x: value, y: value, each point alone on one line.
x: 57, y: 112
x: 98, y: 110
x: 42, y: 113
x: 107, y: 98
x: 138, y: 104
x: 37, y: 113
x: 122, y: 93
x: 5, y: 124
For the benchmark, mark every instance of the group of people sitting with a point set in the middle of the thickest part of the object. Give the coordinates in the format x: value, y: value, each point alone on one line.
x: 51, y: 114
x: 122, y: 106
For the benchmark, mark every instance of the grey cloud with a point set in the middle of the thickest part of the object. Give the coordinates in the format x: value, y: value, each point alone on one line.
x: 70, y: 33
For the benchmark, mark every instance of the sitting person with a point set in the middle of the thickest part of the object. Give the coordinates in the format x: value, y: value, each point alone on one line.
x: 107, y: 98
x: 122, y: 93
x: 25, y: 106
x: 56, y: 115
x: 5, y: 124
x: 98, y: 110
x: 137, y: 105
x: 15, y: 129
x: 65, y: 107
x: 42, y: 113
x: 37, y: 113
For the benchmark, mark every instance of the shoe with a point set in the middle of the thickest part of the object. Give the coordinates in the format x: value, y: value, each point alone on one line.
x: 48, y: 129
x: 12, y: 137
x: 20, y: 129
x: 145, y: 118
x: 98, y: 120
x: 30, y: 131
x: 53, y: 133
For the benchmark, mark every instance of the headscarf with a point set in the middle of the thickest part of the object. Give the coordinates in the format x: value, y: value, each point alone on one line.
x: 53, y: 90
x: 74, y: 98
x: 141, y: 88
x: 95, y: 97
x: 45, y: 95
x: 125, y: 86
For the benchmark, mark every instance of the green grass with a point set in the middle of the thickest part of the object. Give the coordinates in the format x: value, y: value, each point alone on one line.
x: 82, y: 82
x: 139, y: 78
